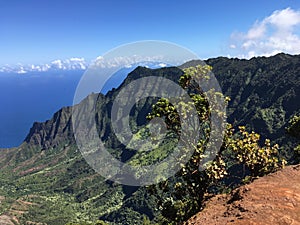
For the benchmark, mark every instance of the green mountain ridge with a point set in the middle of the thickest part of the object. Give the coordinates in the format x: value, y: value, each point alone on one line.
x: 48, y: 172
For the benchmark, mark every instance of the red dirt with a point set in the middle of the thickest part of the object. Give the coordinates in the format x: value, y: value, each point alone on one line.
x: 273, y: 199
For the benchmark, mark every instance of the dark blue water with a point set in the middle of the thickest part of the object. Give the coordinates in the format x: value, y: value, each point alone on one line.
x: 32, y: 97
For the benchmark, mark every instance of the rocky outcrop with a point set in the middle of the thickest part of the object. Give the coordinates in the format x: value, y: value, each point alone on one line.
x: 52, y: 132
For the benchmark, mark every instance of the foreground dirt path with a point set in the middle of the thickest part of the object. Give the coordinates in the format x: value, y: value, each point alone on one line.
x: 273, y: 199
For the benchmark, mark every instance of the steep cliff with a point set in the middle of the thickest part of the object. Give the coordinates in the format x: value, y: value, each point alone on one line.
x: 52, y: 132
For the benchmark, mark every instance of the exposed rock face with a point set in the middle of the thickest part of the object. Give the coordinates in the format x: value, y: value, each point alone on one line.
x: 273, y: 199
x: 53, y: 131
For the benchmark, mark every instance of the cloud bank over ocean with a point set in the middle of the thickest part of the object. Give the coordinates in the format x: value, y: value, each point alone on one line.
x: 67, y: 64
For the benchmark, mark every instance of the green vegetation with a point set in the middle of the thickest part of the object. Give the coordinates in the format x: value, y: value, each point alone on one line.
x: 100, y: 222
x: 259, y: 160
x: 46, y: 180
x: 294, y: 127
x: 294, y: 130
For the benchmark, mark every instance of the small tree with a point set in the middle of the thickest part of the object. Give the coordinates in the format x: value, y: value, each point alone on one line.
x: 185, y: 194
x: 259, y: 160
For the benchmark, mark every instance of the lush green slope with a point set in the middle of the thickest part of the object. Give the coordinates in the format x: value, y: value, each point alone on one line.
x: 48, y: 173
x: 264, y: 91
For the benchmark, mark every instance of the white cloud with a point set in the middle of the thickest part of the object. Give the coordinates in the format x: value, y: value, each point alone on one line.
x: 21, y: 70
x: 77, y: 59
x: 162, y: 64
x: 57, y: 63
x: 276, y: 33
x: 257, y: 31
x: 128, y: 61
x: 67, y: 64
x: 284, y: 19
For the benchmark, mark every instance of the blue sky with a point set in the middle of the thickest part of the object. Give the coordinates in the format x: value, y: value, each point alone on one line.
x: 35, y: 31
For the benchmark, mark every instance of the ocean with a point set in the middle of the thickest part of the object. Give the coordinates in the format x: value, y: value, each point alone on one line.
x: 30, y: 97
